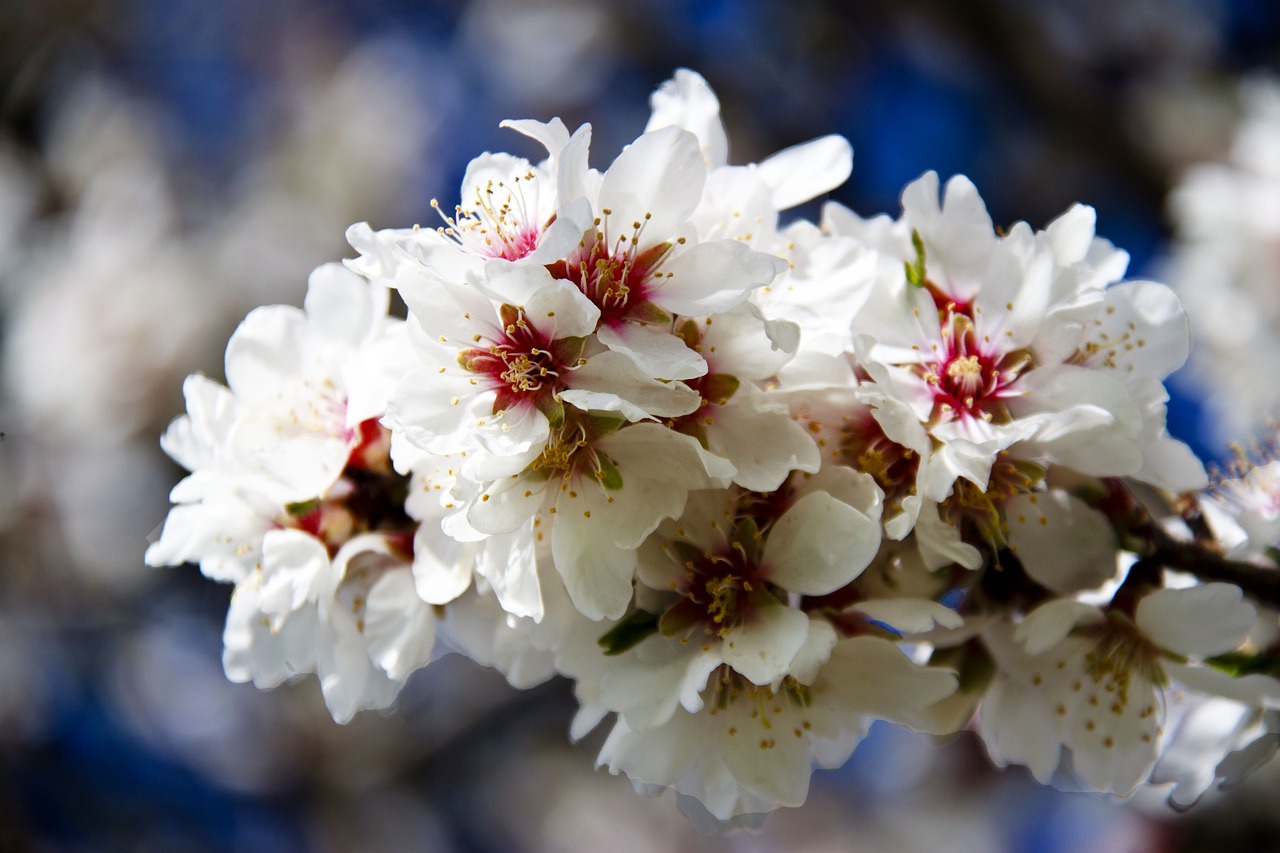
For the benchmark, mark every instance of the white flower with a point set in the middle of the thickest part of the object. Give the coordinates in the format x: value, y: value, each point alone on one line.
x: 1244, y: 511
x: 270, y: 450
x: 736, y: 420
x: 743, y: 202
x: 750, y: 749
x: 623, y: 238
x: 1096, y: 683
x: 734, y: 560
x: 738, y: 689
x: 353, y: 618
x: 981, y: 346
x: 307, y: 380
x: 496, y: 376
x: 1211, y: 739
x: 601, y: 490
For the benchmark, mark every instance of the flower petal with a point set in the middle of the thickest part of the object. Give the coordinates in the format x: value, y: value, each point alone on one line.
x: 1206, y: 620
x: 819, y: 545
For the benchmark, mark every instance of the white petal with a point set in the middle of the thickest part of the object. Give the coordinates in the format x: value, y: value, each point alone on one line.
x: 807, y: 170
x: 506, y: 504
x: 265, y: 352
x: 1017, y: 728
x: 764, y: 445
x: 874, y: 677
x: 1063, y: 543
x: 596, y: 572
x: 744, y: 344
x: 939, y: 541
x: 295, y: 568
x: 819, y: 545
x: 552, y: 135
x: 1050, y: 623
x: 1249, y: 689
x: 1071, y: 234
x: 687, y: 101
x: 910, y: 615
x: 441, y: 565
x: 815, y: 652
x: 510, y: 564
x: 611, y: 381
x: 1089, y: 422
x: 398, y: 626
x: 1201, y: 620
x: 657, y: 352
x: 713, y: 277
x: 656, y: 181
x: 761, y: 649
x: 341, y: 306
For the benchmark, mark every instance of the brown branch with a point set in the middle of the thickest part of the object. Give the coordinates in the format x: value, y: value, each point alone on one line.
x: 1200, y: 556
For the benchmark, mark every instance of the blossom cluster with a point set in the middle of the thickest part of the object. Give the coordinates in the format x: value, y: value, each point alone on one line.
x: 752, y: 486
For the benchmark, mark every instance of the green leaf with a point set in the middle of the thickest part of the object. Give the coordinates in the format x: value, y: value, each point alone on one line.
x: 630, y: 631
x: 1237, y: 664
x: 915, y: 271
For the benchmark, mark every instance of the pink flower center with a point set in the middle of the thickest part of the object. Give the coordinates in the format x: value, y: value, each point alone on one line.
x: 971, y: 377
x: 618, y: 278
x: 499, y: 223
x: 520, y: 363
x: 718, y: 590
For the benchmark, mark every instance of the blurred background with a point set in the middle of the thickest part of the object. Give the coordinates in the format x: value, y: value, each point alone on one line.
x: 167, y: 165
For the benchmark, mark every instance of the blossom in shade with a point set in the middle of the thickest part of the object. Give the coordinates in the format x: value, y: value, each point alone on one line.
x: 1096, y: 681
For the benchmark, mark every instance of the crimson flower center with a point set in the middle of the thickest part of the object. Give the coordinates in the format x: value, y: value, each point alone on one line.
x: 617, y: 277
x: 718, y: 589
x: 971, y: 378
x: 519, y: 363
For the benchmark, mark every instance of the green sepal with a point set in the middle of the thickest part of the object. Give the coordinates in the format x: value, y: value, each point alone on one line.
x: 630, y: 631
x: 551, y: 406
x: 644, y: 311
x: 598, y: 426
x: 746, y: 539
x: 298, y: 509
x: 608, y: 473
x: 650, y: 257
x: 915, y: 270
x: 681, y: 618
x: 719, y: 387
x: 685, y: 553
x: 690, y: 334
x: 510, y: 316
x: 973, y: 664
x: 567, y: 351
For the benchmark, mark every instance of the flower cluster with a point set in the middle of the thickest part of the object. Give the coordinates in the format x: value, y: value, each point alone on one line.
x: 751, y: 486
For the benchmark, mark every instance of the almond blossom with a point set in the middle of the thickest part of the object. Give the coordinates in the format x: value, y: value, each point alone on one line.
x: 1096, y: 682
x: 751, y: 486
